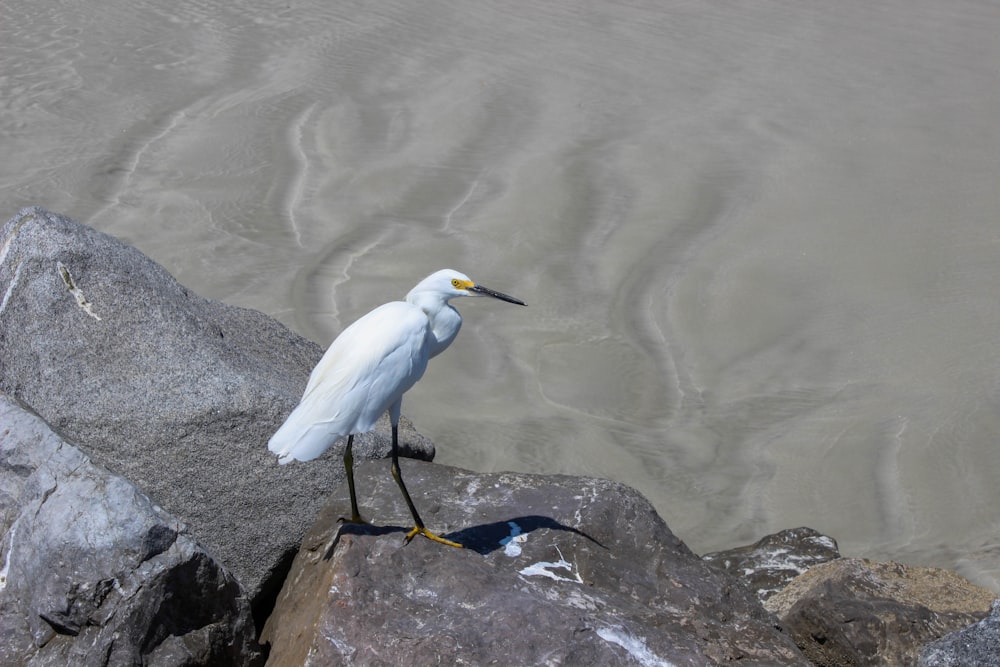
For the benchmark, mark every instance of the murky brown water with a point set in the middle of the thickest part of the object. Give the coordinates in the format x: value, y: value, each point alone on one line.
x: 759, y: 241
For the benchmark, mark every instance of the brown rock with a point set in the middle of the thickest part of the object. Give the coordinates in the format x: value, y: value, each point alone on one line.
x: 557, y: 570
x: 861, y: 612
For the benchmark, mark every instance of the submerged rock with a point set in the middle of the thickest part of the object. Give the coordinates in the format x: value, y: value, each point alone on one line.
x: 556, y: 570
x: 177, y: 393
x: 770, y: 563
x: 860, y: 612
x: 95, y: 574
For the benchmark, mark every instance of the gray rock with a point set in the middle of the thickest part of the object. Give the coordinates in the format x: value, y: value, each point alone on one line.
x: 176, y: 393
x: 770, y: 563
x: 557, y: 570
x: 977, y: 645
x: 95, y: 574
x: 860, y: 612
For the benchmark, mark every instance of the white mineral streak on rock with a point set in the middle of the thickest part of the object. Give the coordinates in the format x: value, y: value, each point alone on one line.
x: 77, y: 293
x: 636, y: 646
x: 6, y: 560
x: 542, y: 569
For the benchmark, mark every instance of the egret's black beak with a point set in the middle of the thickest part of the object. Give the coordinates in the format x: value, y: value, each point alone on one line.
x: 486, y: 291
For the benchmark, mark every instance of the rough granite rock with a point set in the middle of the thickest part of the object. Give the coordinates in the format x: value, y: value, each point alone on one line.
x: 770, y: 563
x: 95, y: 574
x: 557, y: 570
x: 975, y: 646
x: 176, y: 393
x: 860, y: 612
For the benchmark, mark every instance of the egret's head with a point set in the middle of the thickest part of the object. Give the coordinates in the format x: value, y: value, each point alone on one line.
x: 449, y: 283
x: 456, y: 283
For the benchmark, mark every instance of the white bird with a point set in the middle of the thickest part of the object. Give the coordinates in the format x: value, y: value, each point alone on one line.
x: 366, y: 371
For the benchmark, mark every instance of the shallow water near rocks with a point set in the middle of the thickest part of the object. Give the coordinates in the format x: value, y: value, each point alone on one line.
x: 759, y: 243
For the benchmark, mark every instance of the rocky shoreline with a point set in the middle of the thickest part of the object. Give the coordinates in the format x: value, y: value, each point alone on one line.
x: 144, y: 521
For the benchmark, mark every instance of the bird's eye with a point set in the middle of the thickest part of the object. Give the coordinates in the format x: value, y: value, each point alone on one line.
x: 456, y: 283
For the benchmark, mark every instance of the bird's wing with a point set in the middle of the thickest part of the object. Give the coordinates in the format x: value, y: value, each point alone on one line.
x: 366, y: 369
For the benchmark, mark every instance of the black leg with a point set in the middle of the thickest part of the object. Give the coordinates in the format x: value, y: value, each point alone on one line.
x: 397, y: 475
x: 349, y: 467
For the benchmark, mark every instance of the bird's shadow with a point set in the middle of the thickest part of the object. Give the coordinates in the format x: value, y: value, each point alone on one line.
x: 484, y: 539
x: 489, y: 537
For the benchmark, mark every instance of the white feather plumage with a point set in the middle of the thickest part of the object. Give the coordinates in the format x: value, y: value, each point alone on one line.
x: 363, y: 373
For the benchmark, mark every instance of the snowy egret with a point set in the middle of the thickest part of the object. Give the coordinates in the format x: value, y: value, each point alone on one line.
x: 366, y: 371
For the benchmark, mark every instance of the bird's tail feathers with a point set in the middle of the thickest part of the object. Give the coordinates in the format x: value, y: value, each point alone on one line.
x: 297, y: 444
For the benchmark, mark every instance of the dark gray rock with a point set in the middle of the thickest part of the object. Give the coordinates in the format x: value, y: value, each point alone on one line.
x: 95, y: 574
x: 860, y: 612
x: 975, y: 646
x: 770, y: 563
x: 557, y: 570
x: 174, y: 392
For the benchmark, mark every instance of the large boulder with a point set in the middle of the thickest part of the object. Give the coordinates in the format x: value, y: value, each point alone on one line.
x: 95, y: 574
x: 556, y: 570
x: 860, y: 612
x: 176, y: 393
x: 977, y: 645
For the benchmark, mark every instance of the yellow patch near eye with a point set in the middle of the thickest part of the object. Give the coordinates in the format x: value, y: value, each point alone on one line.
x: 461, y: 284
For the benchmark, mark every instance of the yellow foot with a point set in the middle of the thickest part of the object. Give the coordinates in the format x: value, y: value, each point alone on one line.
x: 418, y: 530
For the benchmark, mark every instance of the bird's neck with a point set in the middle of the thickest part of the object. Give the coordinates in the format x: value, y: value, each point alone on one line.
x: 444, y: 320
x: 444, y: 326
